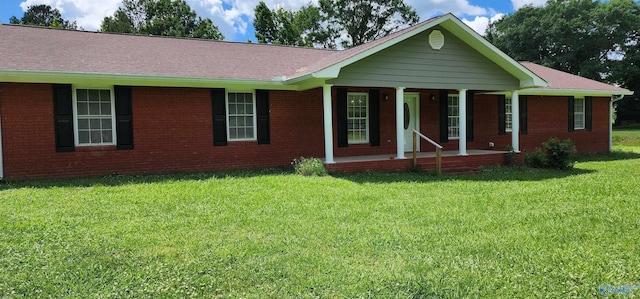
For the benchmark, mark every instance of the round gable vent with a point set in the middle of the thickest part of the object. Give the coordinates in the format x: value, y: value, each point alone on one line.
x: 436, y: 40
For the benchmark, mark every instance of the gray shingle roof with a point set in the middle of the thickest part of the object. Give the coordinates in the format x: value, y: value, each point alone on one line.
x: 52, y: 50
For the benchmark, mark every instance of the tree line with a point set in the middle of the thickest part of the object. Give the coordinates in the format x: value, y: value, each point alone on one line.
x: 599, y: 40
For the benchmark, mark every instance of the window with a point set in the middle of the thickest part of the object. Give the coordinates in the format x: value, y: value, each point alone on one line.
x: 94, y: 120
x: 453, y: 116
x: 241, y: 116
x: 357, y: 117
x: 578, y: 113
x: 508, y: 116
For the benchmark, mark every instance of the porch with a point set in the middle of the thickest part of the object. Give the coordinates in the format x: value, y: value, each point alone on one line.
x: 452, y: 162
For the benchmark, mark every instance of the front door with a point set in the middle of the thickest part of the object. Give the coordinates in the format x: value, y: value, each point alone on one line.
x: 411, y: 119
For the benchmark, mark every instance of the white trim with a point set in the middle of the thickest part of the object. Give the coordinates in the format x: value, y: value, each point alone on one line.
x: 76, y: 133
x: 448, y: 116
x: 366, y: 133
x: 400, y: 122
x: 515, y: 121
x: 508, y: 126
x: 417, y: 107
x: 573, y: 92
x: 462, y: 111
x: 254, y: 116
x: 328, y: 124
x: 582, y: 113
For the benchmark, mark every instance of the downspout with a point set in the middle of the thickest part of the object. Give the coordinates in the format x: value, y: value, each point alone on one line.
x: 614, y: 98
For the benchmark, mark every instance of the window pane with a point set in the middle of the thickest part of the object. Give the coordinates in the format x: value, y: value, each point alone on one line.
x: 82, y: 95
x: 83, y: 137
x: 357, y: 117
x: 241, y: 116
x: 105, y: 109
x: 94, y: 95
x: 105, y: 95
x: 107, y: 136
x: 94, y: 109
x: 83, y: 124
x: 83, y: 108
x: 106, y: 124
x: 94, y: 124
x: 96, y: 137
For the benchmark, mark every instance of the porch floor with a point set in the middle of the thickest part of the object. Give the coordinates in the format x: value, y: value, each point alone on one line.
x: 451, y: 162
x: 409, y: 155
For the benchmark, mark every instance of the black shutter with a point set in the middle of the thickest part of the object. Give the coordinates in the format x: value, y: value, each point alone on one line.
x: 523, y: 115
x: 343, y: 138
x: 588, y: 113
x: 444, y: 116
x: 502, y: 119
x: 218, y: 109
x: 124, y: 117
x: 374, y: 117
x: 470, y: 95
x: 262, y: 111
x: 571, y: 115
x: 63, y: 117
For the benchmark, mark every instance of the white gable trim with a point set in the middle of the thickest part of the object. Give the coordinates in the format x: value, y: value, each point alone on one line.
x: 527, y: 78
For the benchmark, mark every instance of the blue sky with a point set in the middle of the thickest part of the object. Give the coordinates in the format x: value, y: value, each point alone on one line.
x: 235, y: 17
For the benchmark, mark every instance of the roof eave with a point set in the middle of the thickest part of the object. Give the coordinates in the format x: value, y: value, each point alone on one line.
x: 137, y: 80
x: 575, y: 92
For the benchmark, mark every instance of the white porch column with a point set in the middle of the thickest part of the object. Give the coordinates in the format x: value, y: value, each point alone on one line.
x: 515, y: 121
x: 462, y: 104
x: 400, y: 121
x: 328, y: 124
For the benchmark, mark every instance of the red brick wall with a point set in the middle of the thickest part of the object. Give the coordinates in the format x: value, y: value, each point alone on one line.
x: 172, y: 132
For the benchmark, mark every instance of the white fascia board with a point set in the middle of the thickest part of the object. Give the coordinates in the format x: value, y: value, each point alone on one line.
x: 90, y: 79
x: 572, y: 92
x: 527, y: 78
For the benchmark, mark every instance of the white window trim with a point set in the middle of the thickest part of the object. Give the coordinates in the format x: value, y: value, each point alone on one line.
x: 367, y: 118
x: 76, y: 134
x: 255, y: 118
x: 457, y: 96
x: 507, y: 104
x: 579, y: 113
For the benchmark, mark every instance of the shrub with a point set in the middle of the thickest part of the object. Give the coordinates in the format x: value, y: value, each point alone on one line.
x: 535, y: 159
x: 556, y: 154
x: 559, y: 154
x: 309, y: 166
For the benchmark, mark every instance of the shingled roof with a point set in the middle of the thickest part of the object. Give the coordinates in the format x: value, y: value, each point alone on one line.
x: 55, y: 53
x: 565, y: 83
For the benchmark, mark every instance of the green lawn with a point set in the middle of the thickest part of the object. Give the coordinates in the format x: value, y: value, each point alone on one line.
x: 627, y: 136
x: 506, y: 233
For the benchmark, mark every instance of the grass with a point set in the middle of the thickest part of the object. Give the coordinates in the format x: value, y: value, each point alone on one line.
x: 505, y: 233
x: 627, y: 136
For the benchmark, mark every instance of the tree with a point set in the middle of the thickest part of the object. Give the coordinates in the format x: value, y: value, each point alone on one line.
x: 593, y: 39
x: 364, y: 20
x: 44, y: 16
x: 296, y: 28
x: 160, y: 17
x: 333, y: 23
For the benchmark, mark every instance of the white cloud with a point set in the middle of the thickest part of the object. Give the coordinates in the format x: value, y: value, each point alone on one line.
x: 480, y: 23
x: 235, y: 17
x: 429, y: 8
x: 88, y: 13
x: 517, y: 4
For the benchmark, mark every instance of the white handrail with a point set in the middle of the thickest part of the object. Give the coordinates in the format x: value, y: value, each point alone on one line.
x: 428, y: 139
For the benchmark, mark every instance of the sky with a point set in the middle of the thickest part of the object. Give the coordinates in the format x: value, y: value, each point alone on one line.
x: 234, y: 17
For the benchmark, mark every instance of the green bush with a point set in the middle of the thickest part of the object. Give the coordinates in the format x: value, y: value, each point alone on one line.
x: 309, y: 166
x: 556, y: 154
x: 560, y: 154
x: 535, y: 159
